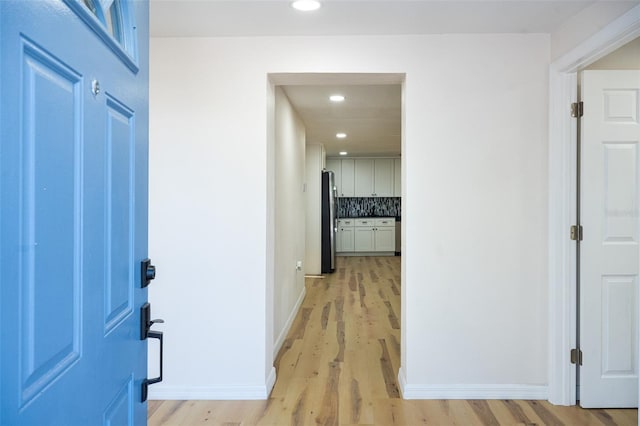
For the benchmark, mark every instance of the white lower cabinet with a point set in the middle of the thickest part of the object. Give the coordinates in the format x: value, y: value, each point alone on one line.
x: 364, y: 238
x: 385, y: 234
x: 345, y: 236
x: 366, y: 235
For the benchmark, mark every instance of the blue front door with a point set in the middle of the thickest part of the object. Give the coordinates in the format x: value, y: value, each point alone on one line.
x: 73, y: 210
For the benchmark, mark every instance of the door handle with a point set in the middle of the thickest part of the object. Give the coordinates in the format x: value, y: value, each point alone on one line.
x: 146, y: 333
x: 146, y: 322
x: 146, y: 382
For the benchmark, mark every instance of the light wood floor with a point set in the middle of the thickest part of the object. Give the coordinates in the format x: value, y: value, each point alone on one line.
x: 339, y: 363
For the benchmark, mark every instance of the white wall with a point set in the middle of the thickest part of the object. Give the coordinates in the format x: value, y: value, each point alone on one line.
x: 207, y: 223
x: 626, y: 57
x: 290, y: 206
x: 313, y: 252
x: 474, y: 173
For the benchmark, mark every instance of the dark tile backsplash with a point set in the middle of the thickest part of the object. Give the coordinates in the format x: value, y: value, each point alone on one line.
x: 364, y: 207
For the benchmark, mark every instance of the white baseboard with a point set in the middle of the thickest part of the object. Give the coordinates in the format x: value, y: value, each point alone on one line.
x: 402, y: 381
x: 287, y: 326
x: 271, y: 381
x: 471, y: 391
x: 221, y: 392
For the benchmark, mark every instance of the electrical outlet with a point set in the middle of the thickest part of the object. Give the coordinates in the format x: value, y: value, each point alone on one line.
x: 299, y: 265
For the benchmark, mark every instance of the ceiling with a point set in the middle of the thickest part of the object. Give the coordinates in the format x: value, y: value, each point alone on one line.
x: 371, y: 114
x: 212, y: 18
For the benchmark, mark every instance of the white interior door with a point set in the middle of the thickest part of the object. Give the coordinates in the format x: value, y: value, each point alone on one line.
x: 610, y: 206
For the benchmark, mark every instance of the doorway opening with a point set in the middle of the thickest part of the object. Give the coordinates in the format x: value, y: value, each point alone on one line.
x: 303, y: 124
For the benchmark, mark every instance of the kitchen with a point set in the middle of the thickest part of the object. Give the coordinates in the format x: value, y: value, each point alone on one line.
x: 369, y: 205
x: 353, y: 129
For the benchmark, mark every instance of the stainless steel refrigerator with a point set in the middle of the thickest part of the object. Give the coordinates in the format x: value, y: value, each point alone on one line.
x: 329, y: 222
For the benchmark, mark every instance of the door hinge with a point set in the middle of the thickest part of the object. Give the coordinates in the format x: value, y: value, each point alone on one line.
x: 576, y: 232
x: 577, y: 109
x: 576, y: 356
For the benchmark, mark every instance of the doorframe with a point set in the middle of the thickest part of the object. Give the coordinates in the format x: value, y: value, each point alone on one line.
x: 316, y: 78
x: 562, y: 197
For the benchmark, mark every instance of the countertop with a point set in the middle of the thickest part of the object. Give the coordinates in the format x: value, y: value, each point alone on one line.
x: 397, y: 218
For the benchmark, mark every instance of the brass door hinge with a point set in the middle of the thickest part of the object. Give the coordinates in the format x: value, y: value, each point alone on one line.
x: 577, y: 109
x: 576, y: 233
x: 576, y: 356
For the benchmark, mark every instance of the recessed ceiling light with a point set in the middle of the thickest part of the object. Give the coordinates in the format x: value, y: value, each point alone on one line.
x: 336, y: 98
x: 343, y: 152
x: 341, y: 135
x: 306, y: 5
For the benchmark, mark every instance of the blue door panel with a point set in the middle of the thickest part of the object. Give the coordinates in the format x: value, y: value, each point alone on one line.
x: 120, y: 410
x: 49, y: 230
x: 73, y: 214
x: 120, y: 238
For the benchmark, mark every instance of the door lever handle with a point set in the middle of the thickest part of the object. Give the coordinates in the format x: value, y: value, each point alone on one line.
x: 146, y: 333
x: 146, y: 322
x: 146, y: 382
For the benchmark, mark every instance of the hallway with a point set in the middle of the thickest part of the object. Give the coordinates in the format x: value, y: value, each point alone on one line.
x: 339, y: 366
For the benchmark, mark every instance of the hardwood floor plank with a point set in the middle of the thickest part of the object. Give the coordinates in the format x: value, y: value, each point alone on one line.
x: 339, y: 302
x: 387, y: 371
x: 152, y: 406
x: 298, y: 413
x: 342, y: 273
x: 168, y: 413
x: 393, y: 319
x: 395, y: 344
x: 604, y: 417
x: 459, y: 412
x: 484, y: 413
x: 339, y: 363
x: 517, y: 412
x: 300, y: 324
x: 576, y: 415
x: 392, y: 412
x: 356, y: 402
x: 356, y: 370
x: 353, y: 284
x: 340, y: 337
x: 548, y: 418
x: 623, y: 416
x: 394, y: 287
x: 328, y: 414
x: 363, y: 293
x: 325, y: 315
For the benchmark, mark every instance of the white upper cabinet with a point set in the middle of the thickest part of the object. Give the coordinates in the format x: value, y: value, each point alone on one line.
x: 374, y: 177
x: 364, y: 177
x: 397, y: 180
x: 344, y: 175
x: 348, y: 177
x: 383, y: 177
